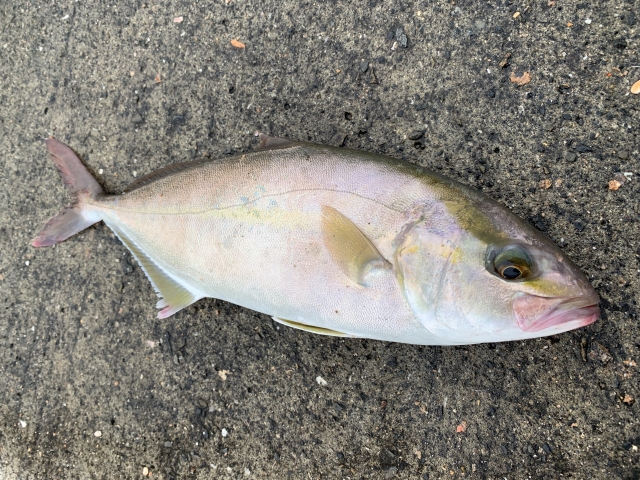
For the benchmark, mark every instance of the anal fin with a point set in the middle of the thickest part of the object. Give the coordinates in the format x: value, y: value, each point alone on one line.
x: 310, y: 328
x: 175, y: 297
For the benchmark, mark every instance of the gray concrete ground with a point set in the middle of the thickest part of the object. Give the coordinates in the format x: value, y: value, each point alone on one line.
x: 94, y: 386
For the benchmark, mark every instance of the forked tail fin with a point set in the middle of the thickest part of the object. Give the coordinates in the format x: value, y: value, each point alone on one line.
x: 74, y: 217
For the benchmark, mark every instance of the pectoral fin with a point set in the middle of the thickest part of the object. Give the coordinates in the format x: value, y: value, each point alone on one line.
x: 174, y: 296
x: 349, y: 247
x: 310, y: 328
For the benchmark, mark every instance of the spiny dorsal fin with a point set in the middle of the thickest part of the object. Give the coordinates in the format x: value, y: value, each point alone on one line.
x: 271, y: 143
x: 164, y: 172
x: 349, y: 247
x: 310, y: 328
x: 174, y: 296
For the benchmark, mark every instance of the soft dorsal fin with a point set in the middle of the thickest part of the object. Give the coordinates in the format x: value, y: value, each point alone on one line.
x: 349, y: 247
x: 266, y: 143
x: 270, y: 143
x: 174, y: 297
x: 163, y: 172
x: 310, y: 328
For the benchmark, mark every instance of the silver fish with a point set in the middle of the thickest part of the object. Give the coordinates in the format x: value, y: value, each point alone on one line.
x: 336, y: 242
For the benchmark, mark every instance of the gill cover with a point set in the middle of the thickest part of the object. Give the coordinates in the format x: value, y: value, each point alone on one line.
x: 423, y: 255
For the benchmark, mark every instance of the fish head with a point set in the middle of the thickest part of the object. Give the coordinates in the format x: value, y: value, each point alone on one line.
x: 490, y: 278
x: 546, y: 291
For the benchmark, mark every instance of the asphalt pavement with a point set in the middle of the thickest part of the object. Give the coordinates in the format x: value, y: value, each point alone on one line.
x: 529, y: 102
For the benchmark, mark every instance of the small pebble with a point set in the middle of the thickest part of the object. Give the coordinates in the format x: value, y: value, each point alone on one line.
x: 614, y: 185
x: 364, y: 66
x: 635, y: 88
x: 415, y: 135
x: 401, y: 37
x: 97, y: 433
x: 145, y: 471
x: 247, y: 472
x: 587, y: 21
x: 505, y: 61
x: 100, y: 172
x: 224, y: 432
x: 178, y: 19
x: 168, y: 444
x: 23, y: 424
x: 321, y: 381
x: 27, y: 263
x: 520, y: 80
x: 582, y: 148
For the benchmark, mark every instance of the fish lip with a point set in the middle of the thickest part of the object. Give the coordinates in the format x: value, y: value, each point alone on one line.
x: 562, y: 319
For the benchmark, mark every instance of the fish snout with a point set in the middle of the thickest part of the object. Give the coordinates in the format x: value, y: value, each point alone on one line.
x: 534, y: 313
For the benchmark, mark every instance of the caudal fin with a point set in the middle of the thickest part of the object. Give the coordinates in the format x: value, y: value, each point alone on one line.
x: 74, y: 217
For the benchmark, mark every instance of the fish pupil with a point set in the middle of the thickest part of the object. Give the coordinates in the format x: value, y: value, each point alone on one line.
x: 511, y: 273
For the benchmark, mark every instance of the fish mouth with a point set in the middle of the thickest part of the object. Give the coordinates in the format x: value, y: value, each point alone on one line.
x: 564, y: 316
x: 567, y: 320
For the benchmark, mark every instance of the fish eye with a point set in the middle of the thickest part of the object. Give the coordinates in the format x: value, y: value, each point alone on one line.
x: 510, y: 263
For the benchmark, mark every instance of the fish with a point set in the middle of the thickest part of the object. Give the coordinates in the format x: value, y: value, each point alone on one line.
x: 336, y: 242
